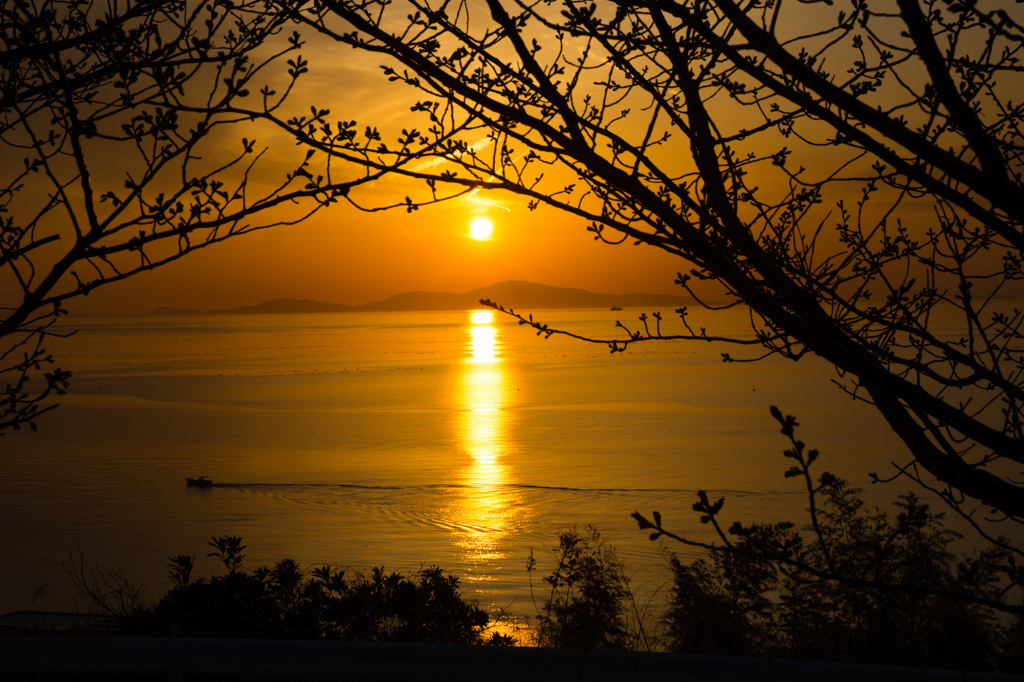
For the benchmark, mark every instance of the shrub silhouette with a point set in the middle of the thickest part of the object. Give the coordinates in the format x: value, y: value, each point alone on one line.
x: 284, y: 601
x: 426, y: 608
x: 740, y: 602
x: 586, y: 608
x: 721, y: 605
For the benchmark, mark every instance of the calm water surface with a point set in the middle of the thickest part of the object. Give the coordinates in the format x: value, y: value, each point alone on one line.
x: 400, y: 439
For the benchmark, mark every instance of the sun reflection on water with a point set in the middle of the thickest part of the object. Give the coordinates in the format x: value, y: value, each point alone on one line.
x: 488, y: 508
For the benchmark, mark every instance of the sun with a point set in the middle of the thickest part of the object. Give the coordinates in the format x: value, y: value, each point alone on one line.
x: 481, y: 229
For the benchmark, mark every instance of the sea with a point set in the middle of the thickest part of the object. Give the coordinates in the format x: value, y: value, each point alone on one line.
x: 456, y: 439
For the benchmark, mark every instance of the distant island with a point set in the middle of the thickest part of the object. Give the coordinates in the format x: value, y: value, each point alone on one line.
x: 510, y: 294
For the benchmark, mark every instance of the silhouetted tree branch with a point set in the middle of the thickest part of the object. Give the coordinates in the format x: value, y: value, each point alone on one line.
x: 855, y: 184
x: 128, y: 137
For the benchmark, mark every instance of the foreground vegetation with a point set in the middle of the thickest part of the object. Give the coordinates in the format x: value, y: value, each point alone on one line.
x: 728, y: 603
x: 855, y: 584
x: 287, y: 602
x: 742, y: 603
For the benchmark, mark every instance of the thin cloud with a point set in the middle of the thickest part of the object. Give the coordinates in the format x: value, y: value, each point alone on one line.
x: 473, y: 148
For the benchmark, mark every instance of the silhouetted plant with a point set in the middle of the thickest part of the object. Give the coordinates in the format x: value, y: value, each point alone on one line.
x: 109, y: 592
x: 1013, y: 646
x: 741, y: 602
x: 855, y: 584
x: 229, y: 551
x: 500, y: 639
x: 841, y: 549
x: 586, y: 606
x: 722, y: 605
x: 283, y: 601
x: 36, y: 594
x: 427, y: 607
x: 181, y: 567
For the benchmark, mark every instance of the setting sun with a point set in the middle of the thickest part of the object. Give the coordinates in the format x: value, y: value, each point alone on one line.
x: 481, y: 229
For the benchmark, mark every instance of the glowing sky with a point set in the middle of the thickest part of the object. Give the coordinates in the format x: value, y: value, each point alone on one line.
x: 346, y: 256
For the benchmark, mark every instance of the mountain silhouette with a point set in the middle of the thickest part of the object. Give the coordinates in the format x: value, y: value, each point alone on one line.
x: 278, y: 305
x: 510, y: 294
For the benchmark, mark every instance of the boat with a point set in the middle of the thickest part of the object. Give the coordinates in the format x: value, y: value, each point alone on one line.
x: 201, y: 482
x: 615, y: 307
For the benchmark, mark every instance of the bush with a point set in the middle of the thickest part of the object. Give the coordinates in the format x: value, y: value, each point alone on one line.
x: 287, y: 602
x: 721, y: 605
x: 393, y: 608
x: 741, y: 602
x: 586, y: 608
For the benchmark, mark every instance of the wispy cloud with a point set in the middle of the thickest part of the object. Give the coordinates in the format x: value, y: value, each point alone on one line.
x: 473, y: 148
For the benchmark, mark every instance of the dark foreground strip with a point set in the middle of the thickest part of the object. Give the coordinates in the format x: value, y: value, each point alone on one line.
x: 156, y: 658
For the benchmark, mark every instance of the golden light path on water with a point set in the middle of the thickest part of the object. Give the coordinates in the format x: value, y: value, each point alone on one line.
x: 487, y: 507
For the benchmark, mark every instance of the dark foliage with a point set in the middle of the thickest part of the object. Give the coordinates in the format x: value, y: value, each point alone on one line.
x: 850, y: 554
x: 721, y: 605
x: 393, y: 608
x: 739, y: 602
x: 286, y: 602
x: 586, y: 608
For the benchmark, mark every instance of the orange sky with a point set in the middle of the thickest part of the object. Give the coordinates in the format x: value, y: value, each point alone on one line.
x: 346, y: 256
x: 343, y: 255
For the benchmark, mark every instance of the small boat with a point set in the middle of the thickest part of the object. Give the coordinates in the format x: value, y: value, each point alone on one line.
x: 201, y: 482
x: 615, y: 307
